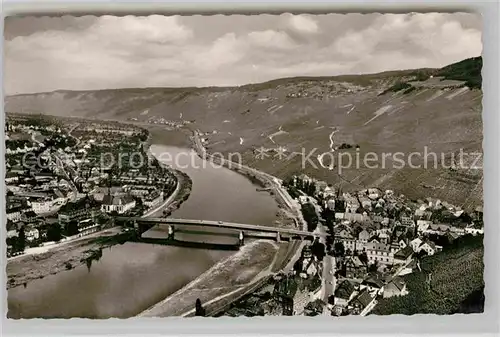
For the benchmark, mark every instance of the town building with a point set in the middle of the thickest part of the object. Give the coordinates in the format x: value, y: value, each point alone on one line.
x: 153, y: 199
x: 380, y: 252
x: 14, y: 213
x: 85, y: 208
x: 119, y: 204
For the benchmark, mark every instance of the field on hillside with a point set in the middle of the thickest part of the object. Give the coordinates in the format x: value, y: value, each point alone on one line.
x: 455, y: 274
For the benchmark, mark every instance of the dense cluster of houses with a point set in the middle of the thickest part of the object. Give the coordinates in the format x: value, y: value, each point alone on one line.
x: 66, y: 186
x: 379, y: 236
x: 320, y: 90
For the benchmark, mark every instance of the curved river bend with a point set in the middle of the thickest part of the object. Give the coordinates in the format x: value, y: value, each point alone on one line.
x: 132, y: 277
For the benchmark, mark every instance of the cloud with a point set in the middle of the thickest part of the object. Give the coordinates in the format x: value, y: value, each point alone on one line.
x: 113, y: 52
x: 271, y: 39
x: 303, y: 24
x: 409, y: 41
x: 153, y: 29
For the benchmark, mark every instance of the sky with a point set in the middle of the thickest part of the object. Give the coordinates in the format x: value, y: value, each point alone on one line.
x: 101, y: 52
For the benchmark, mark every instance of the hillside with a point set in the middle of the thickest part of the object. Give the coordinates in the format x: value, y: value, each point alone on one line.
x: 448, y: 290
x: 396, y: 111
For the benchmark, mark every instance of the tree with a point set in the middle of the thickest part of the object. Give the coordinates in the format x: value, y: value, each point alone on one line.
x: 288, y: 182
x: 363, y: 257
x: 21, y: 240
x: 339, y: 249
x: 199, y: 310
x: 300, y: 184
x: 309, y: 213
x: 305, y: 186
x: 71, y: 228
x: 318, y: 250
x: 54, y: 232
x: 373, y: 267
x: 297, y: 266
x: 409, y: 235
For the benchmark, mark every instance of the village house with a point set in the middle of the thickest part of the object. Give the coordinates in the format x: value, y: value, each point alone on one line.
x: 31, y: 233
x: 363, y: 238
x: 12, y: 233
x: 306, y: 265
x: 330, y: 204
x: 471, y: 229
x: 355, y: 268
x: 415, y: 244
x: 14, y: 213
x: 384, y: 238
x: 351, y: 203
x: 409, y: 268
x: 139, y: 190
x: 362, y: 303
x: 420, y: 211
x: 429, y: 247
x: 29, y: 216
x: 439, y: 229
x: 407, y: 221
x: 11, y: 177
x: 352, y: 217
x: 344, y: 293
x: 350, y: 241
x: 365, y: 202
x: 403, y: 256
x: 451, y: 236
x: 396, y: 287
x: 373, y: 283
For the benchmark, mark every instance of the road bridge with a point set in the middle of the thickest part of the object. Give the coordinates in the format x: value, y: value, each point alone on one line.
x: 280, y: 233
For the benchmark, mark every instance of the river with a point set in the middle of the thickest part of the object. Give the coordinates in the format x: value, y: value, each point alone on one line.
x: 130, y: 278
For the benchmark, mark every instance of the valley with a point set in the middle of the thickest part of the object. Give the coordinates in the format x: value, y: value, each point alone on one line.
x: 398, y: 111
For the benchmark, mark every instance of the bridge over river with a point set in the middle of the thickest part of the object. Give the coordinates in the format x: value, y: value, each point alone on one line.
x: 278, y: 233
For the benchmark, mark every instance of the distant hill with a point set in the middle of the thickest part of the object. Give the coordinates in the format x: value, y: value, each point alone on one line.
x: 468, y: 70
x: 396, y: 111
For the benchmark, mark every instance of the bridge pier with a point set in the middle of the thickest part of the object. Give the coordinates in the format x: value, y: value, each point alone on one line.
x: 241, y: 238
x: 278, y: 237
x: 171, y: 231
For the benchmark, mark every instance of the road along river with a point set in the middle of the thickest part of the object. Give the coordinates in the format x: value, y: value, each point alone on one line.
x: 132, y: 277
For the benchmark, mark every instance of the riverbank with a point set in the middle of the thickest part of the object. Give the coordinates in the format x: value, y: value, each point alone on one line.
x: 59, y: 258
x: 253, y: 262
x: 181, y: 194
